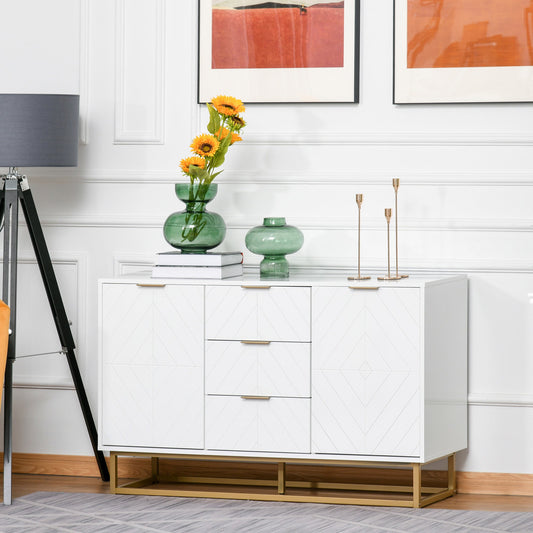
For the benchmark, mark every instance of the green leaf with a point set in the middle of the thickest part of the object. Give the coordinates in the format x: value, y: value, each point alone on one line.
x: 214, y: 120
x: 199, y: 173
x: 220, y: 154
x: 213, y: 176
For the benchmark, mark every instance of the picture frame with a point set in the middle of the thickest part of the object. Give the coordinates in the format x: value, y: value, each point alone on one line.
x: 311, y: 56
x: 463, y: 51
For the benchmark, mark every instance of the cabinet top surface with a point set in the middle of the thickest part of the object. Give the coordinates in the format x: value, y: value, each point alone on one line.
x: 295, y: 280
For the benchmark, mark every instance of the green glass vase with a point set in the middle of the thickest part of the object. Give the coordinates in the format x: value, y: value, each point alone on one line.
x: 274, y: 240
x: 194, y: 230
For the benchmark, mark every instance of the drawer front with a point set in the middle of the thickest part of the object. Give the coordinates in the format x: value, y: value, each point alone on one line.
x: 259, y: 425
x: 273, y: 369
x: 270, y: 314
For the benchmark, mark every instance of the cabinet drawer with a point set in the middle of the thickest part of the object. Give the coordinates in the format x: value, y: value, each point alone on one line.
x: 273, y: 369
x: 273, y: 425
x: 271, y: 314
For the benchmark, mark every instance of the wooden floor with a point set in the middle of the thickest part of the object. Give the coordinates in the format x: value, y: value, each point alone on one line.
x: 28, y: 483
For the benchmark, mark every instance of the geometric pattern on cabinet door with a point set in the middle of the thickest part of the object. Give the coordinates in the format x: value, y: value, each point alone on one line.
x: 178, y: 318
x: 275, y: 425
x: 366, y: 357
x: 127, y: 401
x: 127, y: 324
x: 276, y: 369
x: 150, y: 334
x: 146, y: 405
x: 275, y: 314
x: 361, y: 330
x: 231, y: 313
x: 178, y: 407
x: 145, y: 325
x: 374, y: 413
x: 285, y: 314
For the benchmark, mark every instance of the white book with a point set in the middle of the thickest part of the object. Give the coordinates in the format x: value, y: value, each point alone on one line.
x: 198, y: 272
x: 208, y: 259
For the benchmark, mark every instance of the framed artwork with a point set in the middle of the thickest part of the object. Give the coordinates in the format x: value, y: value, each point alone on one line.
x: 279, y: 51
x: 463, y: 51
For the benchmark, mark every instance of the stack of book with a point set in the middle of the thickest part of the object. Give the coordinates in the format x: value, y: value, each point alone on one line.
x: 210, y: 265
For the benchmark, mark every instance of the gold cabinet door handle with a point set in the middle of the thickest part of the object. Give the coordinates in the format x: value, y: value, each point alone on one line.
x: 255, y: 342
x: 363, y: 288
x: 255, y: 286
x: 255, y: 397
x: 151, y: 285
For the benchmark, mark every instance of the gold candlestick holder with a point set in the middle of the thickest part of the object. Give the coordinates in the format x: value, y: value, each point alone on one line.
x: 396, y: 185
x: 359, y: 201
x: 388, y: 277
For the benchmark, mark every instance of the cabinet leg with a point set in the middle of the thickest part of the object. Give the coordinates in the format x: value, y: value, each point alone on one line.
x: 452, y: 480
x: 281, y: 478
x: 113, y: 472
x: 417, y: 484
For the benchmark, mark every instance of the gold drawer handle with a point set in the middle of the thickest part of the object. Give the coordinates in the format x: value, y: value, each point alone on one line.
x: 255, y: 342
x: 255, y: 286
x: 363, y: 288
x: 255, y: 397
x: 151, y: 285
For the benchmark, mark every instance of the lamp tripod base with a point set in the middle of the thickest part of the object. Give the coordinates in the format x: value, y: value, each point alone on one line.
x: 389, y: 278
x: 358, y: 278
x: 16, y: 190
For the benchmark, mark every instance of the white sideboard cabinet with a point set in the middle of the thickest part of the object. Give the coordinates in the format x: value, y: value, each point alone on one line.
x: 309, y: 370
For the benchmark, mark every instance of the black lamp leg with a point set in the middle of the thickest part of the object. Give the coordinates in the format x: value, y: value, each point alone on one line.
x: 60, y: 317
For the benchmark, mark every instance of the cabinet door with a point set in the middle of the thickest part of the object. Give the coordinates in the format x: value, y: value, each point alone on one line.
x: 152, y: 366
x: 365, y: 371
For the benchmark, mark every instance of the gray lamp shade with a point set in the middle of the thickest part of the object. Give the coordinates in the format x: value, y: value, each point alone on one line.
x: 39, y: 130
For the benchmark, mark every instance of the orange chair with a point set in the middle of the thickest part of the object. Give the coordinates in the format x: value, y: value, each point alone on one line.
x: 4, y: 337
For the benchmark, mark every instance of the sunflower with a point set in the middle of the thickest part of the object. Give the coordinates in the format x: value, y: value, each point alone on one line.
x: 194, y: 160
x: 227, y: 105
x: 237, y: 122
x: 222, y: 133
x: 205, y: 145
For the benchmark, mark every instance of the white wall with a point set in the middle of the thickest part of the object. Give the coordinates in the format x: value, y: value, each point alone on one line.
x: 465, y: 200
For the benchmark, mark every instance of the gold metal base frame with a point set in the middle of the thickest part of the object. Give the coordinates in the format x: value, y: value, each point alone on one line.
x: 283, y: 489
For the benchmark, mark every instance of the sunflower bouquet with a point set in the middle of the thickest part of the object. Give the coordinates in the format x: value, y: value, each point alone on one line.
x: 210, y: 148
x: 202, y: 168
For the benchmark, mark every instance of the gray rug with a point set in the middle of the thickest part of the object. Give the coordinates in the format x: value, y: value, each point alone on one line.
x: 44, y: 512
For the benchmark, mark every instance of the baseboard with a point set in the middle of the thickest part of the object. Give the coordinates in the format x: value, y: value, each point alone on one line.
x: 495, y: 483
x: 85, y: 466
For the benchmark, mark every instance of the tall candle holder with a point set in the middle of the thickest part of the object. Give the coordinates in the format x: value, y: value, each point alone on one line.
x: 396, y: 185
x: 359, y: 200
x: 388, y: 277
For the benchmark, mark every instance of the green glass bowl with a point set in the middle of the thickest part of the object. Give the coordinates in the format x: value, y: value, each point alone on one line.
x: 274, y: 240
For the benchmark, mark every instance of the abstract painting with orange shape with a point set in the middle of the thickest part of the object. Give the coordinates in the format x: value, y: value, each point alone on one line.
x: 256, y: 34
x: 469, y: 33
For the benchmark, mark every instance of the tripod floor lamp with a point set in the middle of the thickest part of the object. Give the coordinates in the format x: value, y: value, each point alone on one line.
x: 36, y: 130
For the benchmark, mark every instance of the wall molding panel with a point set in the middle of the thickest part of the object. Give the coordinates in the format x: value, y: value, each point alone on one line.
x: 392, y: 138
x: 103, y: 220
x: 139, y: 107
x: 489, y: 399
x: 28, y: 369
x: 125, y: 264
x: 370, y: 177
